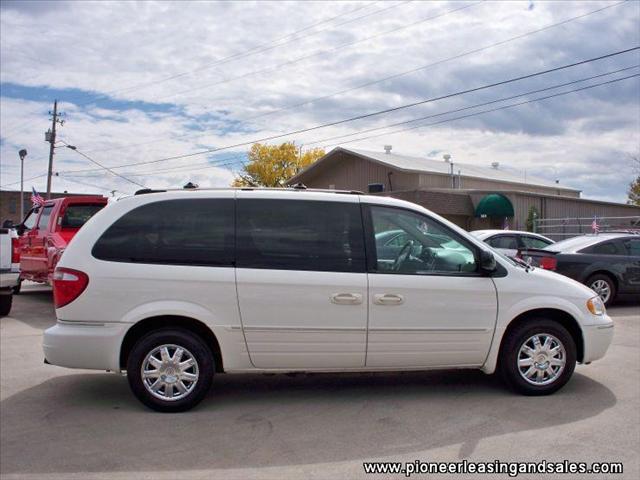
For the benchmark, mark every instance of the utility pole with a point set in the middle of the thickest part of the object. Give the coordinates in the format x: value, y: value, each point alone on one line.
x: 22, y: 153
x: 50, y: 137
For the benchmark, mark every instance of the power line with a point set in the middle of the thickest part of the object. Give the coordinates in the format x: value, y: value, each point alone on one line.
x: 290, y: 62
x: 484, y: 104
x: 213, y: 164
x: 315, y: 54
x: 380, y: 112
x: 257, y: 49
x: 433, y: 64
x: 26, y: 180
x: 490, y: 110
x: 188, y: 168
x: 75, y: 149
x: 357, y: 87
x: 66, y: 177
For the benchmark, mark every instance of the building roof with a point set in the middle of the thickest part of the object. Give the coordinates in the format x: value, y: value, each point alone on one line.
x: 426, y: 165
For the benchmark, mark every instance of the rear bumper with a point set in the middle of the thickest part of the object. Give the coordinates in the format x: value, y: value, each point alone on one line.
x: 597, y: 339
x: 86, y: 345
x: 8, y: 279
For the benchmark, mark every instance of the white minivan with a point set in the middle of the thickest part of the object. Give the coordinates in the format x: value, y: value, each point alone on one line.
x: 174, y: 287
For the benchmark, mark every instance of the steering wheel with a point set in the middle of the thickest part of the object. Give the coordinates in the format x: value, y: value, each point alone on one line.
x: 403, y: 254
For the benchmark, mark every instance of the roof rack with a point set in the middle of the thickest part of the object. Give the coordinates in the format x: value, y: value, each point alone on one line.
x: 144, y: 191
x: 283, y: 189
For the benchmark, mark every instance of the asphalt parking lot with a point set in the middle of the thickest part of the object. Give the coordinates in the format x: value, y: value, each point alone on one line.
x: 61, y: 424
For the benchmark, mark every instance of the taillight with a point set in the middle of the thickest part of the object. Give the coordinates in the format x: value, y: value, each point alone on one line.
x: 15, y: 250
x: 68, y: 284
x: 548, y: 263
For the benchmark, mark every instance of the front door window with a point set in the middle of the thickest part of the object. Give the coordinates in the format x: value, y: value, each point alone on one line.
x: 420, y: 245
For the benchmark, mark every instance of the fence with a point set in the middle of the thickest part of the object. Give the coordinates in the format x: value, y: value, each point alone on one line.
x: 560, y: 228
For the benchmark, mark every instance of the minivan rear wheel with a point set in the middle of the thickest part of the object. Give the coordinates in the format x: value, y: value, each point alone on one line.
x: 170, y: 370
x: 538, y: 357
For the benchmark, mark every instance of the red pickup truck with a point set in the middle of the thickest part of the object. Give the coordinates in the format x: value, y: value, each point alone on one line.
x: 47, y: 230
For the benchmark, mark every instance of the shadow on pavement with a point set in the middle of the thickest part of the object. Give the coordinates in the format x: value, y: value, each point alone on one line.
x: 92, y: 423
x: 34, y: 307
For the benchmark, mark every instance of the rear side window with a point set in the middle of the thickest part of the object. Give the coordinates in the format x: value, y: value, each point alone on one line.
x: 534, y: 242
x: 76, y: 215
x: 605, y: 248
x: 172, y: 232
x: 300, y: 235
x: 633, y: 246
x: 504, y: 241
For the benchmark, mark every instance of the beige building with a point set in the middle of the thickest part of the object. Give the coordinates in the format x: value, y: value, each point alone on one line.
x: 473, y: 197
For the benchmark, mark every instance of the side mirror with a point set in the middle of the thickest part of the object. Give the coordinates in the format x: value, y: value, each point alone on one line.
x: 487, y: 262
x: 8, y: 223
x: 20, y: 229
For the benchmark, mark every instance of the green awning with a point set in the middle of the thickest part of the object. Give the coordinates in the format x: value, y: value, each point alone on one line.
x: 494, y: 205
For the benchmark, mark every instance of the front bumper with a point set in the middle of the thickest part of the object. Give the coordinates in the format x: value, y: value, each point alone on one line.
x: 84, y: 345
x: 597, y: 339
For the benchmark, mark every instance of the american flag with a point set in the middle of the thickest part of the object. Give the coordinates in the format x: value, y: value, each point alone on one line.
x: 594, y: 225
x: 36, y: 198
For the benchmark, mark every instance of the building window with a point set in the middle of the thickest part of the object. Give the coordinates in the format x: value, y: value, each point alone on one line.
x: 13, y: 206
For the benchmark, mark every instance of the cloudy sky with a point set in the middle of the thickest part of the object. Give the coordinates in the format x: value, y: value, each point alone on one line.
x: 143, y: 81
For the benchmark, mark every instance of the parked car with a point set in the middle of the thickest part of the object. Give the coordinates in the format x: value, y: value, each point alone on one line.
x: 509, y: 242
x: 46, y: 231
x: 177, y: 286
x: 608, y: 263
x: 9, y: 270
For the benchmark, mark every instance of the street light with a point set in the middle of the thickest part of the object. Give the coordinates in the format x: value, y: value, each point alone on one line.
x: 22, y: 153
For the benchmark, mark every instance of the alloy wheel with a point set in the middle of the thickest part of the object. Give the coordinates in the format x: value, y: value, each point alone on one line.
x: 602, y: 288
x: 541, y: 359
x: 169, y: 372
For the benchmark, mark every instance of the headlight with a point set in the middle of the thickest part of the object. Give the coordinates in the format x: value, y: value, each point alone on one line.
x: 596, y: 306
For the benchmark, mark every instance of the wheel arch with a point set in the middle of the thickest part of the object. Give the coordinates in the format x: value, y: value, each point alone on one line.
x: 142, y: 327
x: 562, y: 317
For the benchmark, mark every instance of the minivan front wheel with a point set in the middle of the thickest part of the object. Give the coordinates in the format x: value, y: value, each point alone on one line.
x: 538, y: 357
x: 170, y: 370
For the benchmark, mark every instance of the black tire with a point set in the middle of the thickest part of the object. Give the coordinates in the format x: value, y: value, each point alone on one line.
x: 508, y: 361
x: 171, y: 336
x: 16, y: 289
x: 601, y: 277
x: 5, y: 304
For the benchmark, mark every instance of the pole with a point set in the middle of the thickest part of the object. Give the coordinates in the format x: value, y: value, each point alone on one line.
x: 453, y: 178
x: 52, y: 142
x: 21, y: 188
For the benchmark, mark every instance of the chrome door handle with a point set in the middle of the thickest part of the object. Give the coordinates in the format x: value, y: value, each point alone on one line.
x: 346, y: 298
x: 388, y: 299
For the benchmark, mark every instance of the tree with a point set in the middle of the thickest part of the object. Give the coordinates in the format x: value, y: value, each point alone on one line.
x: 273, y: 165
x: 531, y: 217
x: 634, y: 187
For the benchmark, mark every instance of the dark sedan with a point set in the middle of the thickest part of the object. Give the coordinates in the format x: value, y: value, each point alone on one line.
x: 608, y: 263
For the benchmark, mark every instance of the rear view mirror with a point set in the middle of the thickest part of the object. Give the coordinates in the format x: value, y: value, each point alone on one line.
x: 487, y: 262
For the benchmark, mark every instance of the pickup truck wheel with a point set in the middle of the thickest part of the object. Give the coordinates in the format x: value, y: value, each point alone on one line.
x: 603, y: 286
x: 538, y: 357
x: 170, y: 370
x: 5, y: 304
